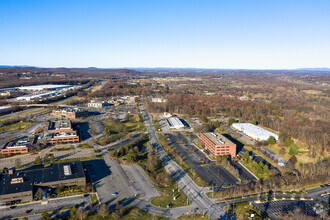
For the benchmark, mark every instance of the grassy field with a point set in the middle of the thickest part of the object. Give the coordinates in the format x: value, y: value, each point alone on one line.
x: 263, y: 176
x: 249, y: 148
x: 26, y: 113
x: 95, y: 88
x: 93, y: 198
x: 194, y: 217
x: 166, y: 197
x: 129, y: 213
x: 22, y: 125
x: 33, y: 111
x: 115, y: 130
x: 243, y: 211
x: 304, y: 157
x: 68, y: 100
x: 84, y: 146
x: 312, y: 92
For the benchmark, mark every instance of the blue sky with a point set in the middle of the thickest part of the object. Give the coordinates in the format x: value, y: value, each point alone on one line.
x: 166, y: 33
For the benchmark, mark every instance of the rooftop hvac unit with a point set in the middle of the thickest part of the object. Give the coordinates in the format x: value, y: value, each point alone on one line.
x: 17, y: 180
x: 221, y: 141
x: 214, y: 134
x: 67, y: 170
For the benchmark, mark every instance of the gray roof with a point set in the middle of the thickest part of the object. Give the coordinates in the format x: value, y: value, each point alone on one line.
x: 38, y: 175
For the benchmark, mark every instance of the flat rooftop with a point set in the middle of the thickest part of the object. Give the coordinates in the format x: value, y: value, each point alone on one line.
x: 40, y: 175
x: 217, y: 138
x: 41, y: 87
x: 71, y: 110
x: 20, y: 142
x: 60, y: 124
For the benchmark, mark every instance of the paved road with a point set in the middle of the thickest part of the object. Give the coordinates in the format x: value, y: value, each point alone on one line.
x: 193, y: 192
x: 27, y: 159
x: 38, y: 207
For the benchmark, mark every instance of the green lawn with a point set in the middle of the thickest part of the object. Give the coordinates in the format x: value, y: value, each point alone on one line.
x: 194, y: 217
x: 129, y: 213
x: 166, y: 198
x: 67, y: 100
x: 84, y: 146
x: 22, y: 125
x: 26, y: 113
x: 115, y: 130
x: 243, y: 211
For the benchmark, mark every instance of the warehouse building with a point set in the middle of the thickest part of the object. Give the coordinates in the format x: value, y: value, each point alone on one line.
x: 69, y: 113
x: 36, y: 96
x: 174, y: 123
x: 253, y: 131
x: 44, y: 87
x: 218, y: 144
x: 5, y: 108
x: 19, y: 186
x: 18, y: 146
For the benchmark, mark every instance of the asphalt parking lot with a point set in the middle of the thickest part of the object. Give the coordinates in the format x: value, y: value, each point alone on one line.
x: 275, y: 209
x: 213, y: 174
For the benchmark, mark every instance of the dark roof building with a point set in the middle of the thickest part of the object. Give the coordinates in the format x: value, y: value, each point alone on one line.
x: 17, y: 186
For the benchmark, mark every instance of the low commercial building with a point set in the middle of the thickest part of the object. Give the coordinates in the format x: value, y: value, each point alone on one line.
x: 159, y: 100
x: 19, y: 186
x: 18, y: 146
x: 218, y: 144
x: 58, y: 126
x: 9, y: 93
x: 174, y: 123
x: 69, y: 113
x: 97, y: 104
x: 253, y: 131
x: 5, y: 108
x: 36, y: 96
x: 44, y: 87
x: 62, y: 137
x: 60, y: 131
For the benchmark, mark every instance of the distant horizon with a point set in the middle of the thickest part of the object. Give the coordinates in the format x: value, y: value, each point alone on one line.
x: 162, y: 67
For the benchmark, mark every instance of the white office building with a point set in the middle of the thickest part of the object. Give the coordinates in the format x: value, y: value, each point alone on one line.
x: 97, y: 104
x: 255, y: 132
x: 175, y: 123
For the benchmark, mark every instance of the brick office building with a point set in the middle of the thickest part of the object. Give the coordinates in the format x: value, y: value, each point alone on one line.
x: 69, y: 113
x: 63, y: 125
x: 18, y: 146
x: 60, y: 131
x: 218, y: 144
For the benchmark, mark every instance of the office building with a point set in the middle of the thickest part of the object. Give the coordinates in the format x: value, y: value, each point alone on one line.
x: 19, y: 186
x: 18, y: 146
x: 69, y: 113
x: 218, y: 144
